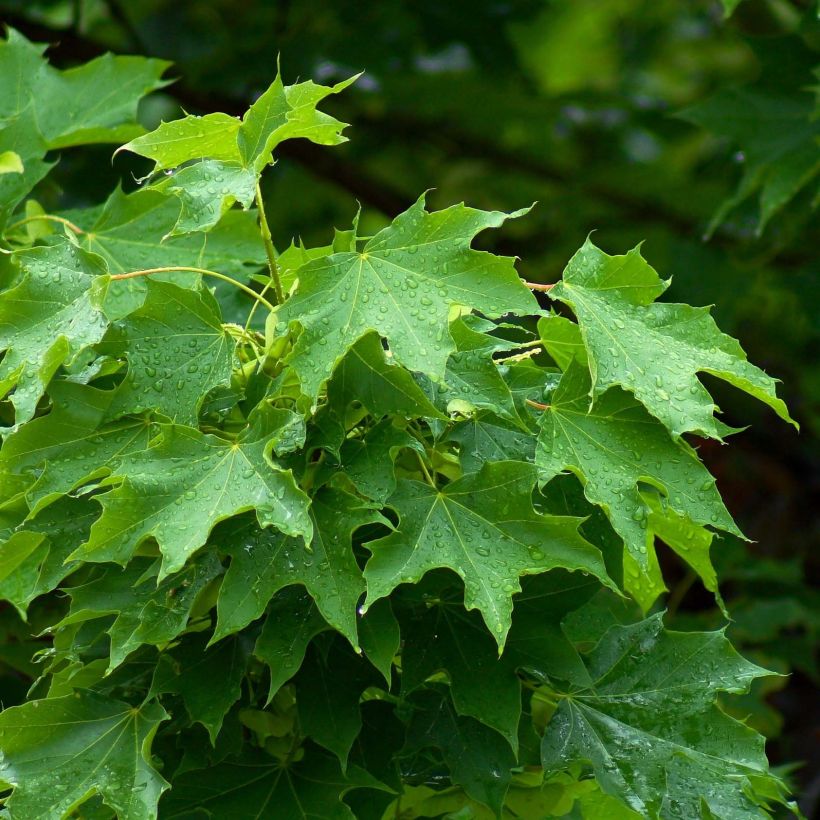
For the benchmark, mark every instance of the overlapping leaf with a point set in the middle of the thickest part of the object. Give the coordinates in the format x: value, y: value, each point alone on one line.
x: 367, y: 375
x: 177, y: 490
x: 292, y: 621
x: 484, y: 528
x: 33, y: 559
x: 145, y: 611
x: 475, y: 758
x: 56, y: 453
x: 130, y: 232
x: 207, y: 679
x: 654, y: 350
x: 259, y: 785
x: 61, y: 751
x: 649, y: 725
x: 776, y: 131
x: 263, y: 562
x: 231, y: 153
x: 616, y: 447
x: 42, y: 108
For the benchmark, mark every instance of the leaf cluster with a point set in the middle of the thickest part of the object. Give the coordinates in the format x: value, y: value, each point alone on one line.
x: 392, y: 555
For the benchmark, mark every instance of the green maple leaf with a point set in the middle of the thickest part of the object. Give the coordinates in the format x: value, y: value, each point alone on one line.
x: 129, y: 232
x: 177, y: 350
x: 56, y: 453
x: 329, y: 687
x: 380, y: 637
x: 208, y: 679
x: 402, y: 285
x: 187, y: 482
x: 441, y: 637
x: 61, y: 751
x: 263, y: 562
x: 562, y: 340
x: 46, y: 320
x: 147, y: 611
x: 648, y: 723
x: 654, y: 350
x: 473, y: 380
x: 258, y: 785
x: 93, y: 102
x: 446, y: 638
x: 282, y: 112
x: 484, y: 528
x: 614, y: 448
x: 232, y: 153
x: 206, y: 190
x: 42, y: 109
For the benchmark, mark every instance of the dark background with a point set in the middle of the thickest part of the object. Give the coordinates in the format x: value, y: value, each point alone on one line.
x: 574, y: 105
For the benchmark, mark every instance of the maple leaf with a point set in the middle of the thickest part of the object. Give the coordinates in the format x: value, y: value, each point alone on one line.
x: 616, y: 447
x: 146, y: 610
x: 187, y: 482
x: 648, y: 723
x: 130, y: 231
x: 777, y: 131
x: 258, y: 785
x: 231, y: 153
x: 42, y: 108
x: 292, y: 621
x: 263, y: 562
x: 56, y: 453
x: 367, y: 375
x: 51, y: 773
x: 484, y: 528
x: 402, y: 286
x: 33, y: 560
x: 208, y: 679
x: 654, y: 350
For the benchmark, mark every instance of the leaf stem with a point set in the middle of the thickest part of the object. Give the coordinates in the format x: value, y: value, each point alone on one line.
x: 427, y: 476
x: 262, y: 292
x: 537, y: 405
x: 536, y: 286
x: 46, y: 218
x: 171, y: 268
x: 269, y: 249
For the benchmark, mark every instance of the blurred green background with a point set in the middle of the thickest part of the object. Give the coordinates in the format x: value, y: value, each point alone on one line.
x: 646, y: 120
